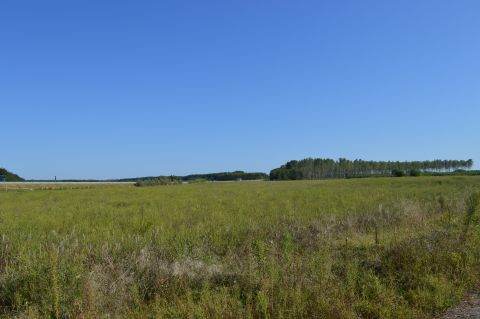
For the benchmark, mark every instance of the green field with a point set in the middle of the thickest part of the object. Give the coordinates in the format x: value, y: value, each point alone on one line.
x: 359, y: 248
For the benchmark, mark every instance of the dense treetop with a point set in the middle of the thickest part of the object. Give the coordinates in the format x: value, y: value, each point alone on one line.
x: 11, y: 177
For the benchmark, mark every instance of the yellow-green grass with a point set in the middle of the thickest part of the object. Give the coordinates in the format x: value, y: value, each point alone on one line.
x: 30, y: 186
x: 359, y: 248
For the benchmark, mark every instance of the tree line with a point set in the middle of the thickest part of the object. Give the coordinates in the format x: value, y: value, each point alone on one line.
x: 315, y: 168
x: 222, y: 176
x: 319, y: 168
x: 227, y: 176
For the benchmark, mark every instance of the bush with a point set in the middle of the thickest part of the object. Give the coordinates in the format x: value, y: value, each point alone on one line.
x: 157, y: 182
x: 398, y: 173
x: 415, y: 172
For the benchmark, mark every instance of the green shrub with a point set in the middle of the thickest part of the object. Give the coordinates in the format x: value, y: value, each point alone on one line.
x: 415, y: 173
x: 398, y: 173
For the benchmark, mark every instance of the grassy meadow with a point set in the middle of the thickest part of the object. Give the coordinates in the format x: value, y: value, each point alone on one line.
x: 359, y: 248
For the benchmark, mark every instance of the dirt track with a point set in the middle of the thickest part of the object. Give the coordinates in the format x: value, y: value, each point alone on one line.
x: 469, y: 308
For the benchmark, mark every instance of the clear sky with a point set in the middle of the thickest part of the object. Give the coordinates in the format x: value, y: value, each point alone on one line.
x: 110, y: 89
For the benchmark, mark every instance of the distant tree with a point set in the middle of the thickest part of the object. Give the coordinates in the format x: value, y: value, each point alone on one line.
x: 227, y: 176
x: 469, y: 163
x: 11, y: 177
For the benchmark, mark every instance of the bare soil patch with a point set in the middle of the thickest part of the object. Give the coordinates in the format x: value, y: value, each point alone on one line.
x: 469, y: 308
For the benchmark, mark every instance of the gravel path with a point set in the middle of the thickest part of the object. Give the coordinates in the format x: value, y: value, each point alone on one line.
x: 469, y: 308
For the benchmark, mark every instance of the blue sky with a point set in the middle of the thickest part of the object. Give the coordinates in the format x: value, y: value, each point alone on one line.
x: 110, y: 89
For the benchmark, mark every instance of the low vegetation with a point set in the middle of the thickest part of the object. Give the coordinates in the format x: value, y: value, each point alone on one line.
x: 352, y: 248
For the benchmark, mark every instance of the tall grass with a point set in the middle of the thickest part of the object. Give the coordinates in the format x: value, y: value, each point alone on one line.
x: 366, y: 248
